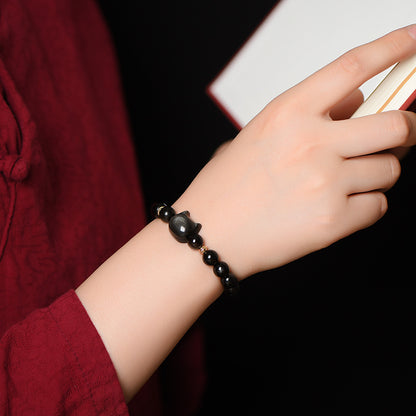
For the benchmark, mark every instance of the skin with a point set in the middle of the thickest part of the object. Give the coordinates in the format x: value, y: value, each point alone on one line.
x: 297, y: 178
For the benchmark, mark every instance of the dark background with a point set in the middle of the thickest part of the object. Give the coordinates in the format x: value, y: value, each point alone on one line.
x: 329, y: 334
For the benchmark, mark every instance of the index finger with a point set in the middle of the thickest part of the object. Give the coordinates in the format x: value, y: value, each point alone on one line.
x: 328, y: 86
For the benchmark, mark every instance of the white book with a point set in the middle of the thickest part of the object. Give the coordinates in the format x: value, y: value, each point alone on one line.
x: 297, y: 38
x: 396, y: 92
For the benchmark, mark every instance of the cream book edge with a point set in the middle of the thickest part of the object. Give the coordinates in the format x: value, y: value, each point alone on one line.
x: 396, y: 92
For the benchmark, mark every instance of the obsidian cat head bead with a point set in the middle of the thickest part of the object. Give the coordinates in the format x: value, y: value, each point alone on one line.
x: 182, y: 227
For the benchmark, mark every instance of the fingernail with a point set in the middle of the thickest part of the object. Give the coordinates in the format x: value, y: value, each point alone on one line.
x: 412, y: 31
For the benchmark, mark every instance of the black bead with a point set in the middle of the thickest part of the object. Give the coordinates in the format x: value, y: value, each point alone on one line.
x: 210, y: 257
x: 221, y: 269
x: 154, y: 210
x: 195, y: 241
x: 182, y: 227
x: 230, y: 284
x: 166, y: 213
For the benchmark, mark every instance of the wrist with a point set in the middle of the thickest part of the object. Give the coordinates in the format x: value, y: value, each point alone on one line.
x: 144, y: 298
x: 186, y: 231
x: 217, y: 235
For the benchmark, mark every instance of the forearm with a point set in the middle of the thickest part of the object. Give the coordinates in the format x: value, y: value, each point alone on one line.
x: 285, y: 187
x: 144, y: 298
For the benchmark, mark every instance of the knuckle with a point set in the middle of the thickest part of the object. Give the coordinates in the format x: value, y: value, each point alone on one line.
x: 280, y: 104
x: 400, y: 127
x: 318, y: 182
x: 351, y: 63
x: 328, y: 222
x: 308, y: 152
x: 273, y: 115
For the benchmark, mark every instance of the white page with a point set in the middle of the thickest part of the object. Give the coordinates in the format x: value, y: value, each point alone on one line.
x: 297, y: 38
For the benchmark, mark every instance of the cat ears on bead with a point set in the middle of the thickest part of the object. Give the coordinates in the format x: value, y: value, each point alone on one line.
x: 185, y: 230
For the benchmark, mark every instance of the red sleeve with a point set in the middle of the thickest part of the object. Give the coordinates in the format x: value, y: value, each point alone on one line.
x: 54, y: 363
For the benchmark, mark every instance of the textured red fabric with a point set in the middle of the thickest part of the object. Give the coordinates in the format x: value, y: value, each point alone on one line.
x: 62, y: 114
x: 67, y: 379
x: 69, y: 198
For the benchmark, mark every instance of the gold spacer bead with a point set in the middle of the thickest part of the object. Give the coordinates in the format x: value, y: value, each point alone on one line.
x: 203, y: 249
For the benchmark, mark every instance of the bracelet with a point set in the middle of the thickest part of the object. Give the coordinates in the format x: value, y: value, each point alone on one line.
x: 186, y: 231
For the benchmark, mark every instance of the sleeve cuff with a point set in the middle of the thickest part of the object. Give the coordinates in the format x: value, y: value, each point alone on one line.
x: 95, y: 373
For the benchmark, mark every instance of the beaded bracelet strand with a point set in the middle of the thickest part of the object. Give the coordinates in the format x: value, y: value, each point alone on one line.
x: 186, y: 231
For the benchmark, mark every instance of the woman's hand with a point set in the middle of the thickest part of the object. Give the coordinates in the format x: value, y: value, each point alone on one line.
x: 300, y: 175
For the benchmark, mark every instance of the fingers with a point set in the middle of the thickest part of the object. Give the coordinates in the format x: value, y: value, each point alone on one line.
x: 363, y: 210
x: 374, y: 133
x: 331, y: 84
x: 369, y: 173
x: 346, y: 108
